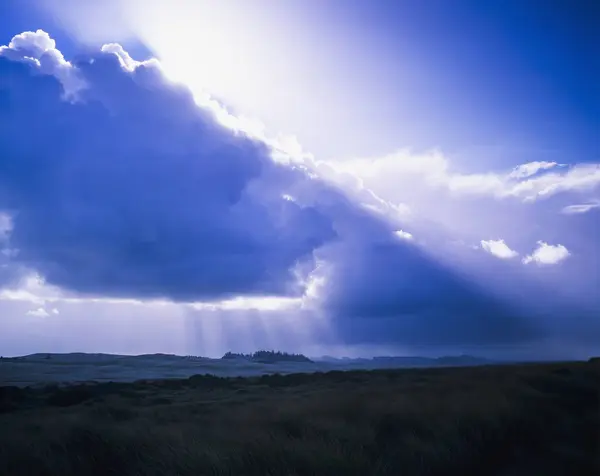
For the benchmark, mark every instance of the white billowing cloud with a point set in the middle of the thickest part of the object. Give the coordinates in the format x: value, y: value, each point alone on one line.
x: 30, y: 46
x: 531, y: 168
x: 576, y: 178
x: 39, y: 48
x: 547, y: 254
x: 126, y: 61
x: 403, y: 170
x: 404, y: 235
x: 580, y: 208
x: 498, y: 248
x: 41, y: 312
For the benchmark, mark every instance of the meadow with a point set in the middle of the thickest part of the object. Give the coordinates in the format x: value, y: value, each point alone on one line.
x: 504, y: 420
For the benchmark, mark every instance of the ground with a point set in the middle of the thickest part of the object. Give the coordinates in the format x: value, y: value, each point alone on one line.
x: 508, y: 420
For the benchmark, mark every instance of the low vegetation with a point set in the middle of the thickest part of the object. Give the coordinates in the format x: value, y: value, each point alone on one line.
x: 515, y: 420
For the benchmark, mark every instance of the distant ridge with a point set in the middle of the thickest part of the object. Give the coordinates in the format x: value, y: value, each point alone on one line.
x: 44, y: 368
x: 263, y: 357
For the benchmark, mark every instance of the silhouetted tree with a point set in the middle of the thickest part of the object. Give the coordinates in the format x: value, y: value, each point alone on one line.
x: 267, y: 356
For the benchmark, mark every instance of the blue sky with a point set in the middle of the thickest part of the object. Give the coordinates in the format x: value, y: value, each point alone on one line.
x: 425, y: 176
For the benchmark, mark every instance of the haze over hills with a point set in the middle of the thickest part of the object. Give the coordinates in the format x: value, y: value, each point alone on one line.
x: 43, y: 368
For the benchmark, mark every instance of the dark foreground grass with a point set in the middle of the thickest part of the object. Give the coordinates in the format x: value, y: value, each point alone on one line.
x: 499, y: 420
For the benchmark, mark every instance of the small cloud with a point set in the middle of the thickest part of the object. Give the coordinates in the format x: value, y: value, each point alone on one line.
x: 9, y: 252
x: 581, y: 208
x: 6, y: 224
x: 547, y: 254
x: 531, y: 168
x: 39, y: 312
x: 42, y: 312
x: 498, y: 248
x: 404, y: 235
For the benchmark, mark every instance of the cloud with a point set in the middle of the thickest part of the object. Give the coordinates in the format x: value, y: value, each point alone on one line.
x: 580, y: 208
x: 399, y: 174
x: 498, y: 248
x: 547, y: 254
x: 41, y: 312
x: 404, y: 235
x: 6, y: 227
x: 531, y: 168
x: 575, y: 178
x: 387, y: 291
x: 38, y: 49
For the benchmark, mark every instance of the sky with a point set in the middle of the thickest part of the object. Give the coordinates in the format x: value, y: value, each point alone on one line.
x: 333, y: 177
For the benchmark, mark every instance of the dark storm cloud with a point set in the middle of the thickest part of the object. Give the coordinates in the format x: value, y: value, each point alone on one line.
x: 134, y: 190
x: 388, y: 290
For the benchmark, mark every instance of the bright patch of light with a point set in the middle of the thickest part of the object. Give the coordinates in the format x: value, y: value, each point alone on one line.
x: 34, y: 289
x: 205, y: 44
x: 262, y: 303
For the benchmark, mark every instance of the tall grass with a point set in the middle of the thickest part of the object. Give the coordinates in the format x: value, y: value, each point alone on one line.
x: 508, y: 420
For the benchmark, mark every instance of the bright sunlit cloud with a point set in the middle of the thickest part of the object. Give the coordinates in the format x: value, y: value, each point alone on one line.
x: 263, y: 303
x: 547, y: 254
x: 498, y: 248
x: 35, y: 290
x: 579, y: 208
x: 404, y: 235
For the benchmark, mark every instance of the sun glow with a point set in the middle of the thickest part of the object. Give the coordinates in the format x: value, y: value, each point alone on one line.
x: 209, y: 46
x: 230, y: 48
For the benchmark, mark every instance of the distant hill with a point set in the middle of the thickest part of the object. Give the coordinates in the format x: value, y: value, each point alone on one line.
x: 261, y: 356
x: 72, y: 357
x: 267, y: 357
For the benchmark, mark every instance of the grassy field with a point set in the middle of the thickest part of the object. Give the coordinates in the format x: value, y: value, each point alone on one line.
x: 541, y: 419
